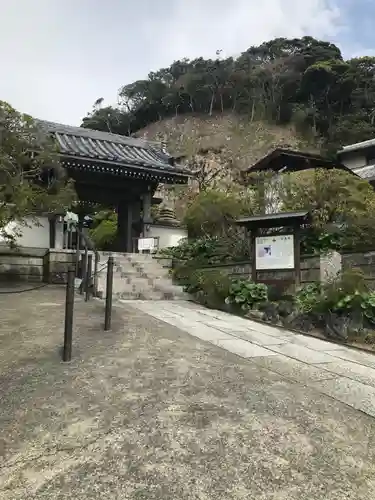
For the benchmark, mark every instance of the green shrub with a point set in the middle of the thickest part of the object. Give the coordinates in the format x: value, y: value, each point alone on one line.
x: 308, y: 298
x: 183, y: 273
x: 246, y: 294
x: 319, y: 241
x: 203, y: 251
x: 347, y: 294
x: 212, y: 212
x: 104, y: 230
x: 209, y: 287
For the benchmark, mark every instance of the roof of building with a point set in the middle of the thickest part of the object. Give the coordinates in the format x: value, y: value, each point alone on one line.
x: 93, y: 145
x: 275, y: 220
x: 287, y: 159
x: 358, y: 145
x: 367, y: 172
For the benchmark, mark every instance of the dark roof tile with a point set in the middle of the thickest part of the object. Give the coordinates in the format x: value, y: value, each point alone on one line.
x: 94, y: 144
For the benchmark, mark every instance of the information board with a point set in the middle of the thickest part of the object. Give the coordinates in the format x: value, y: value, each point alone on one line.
x: 146, y: 244
x: 274, y: 252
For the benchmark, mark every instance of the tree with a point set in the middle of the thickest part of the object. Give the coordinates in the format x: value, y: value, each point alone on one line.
x: 332, y: 196
x: 342, y: 205
x: 104, y: 229
x: 31, y: 179
x: 212, y: 168
x: 299, y: 80
x: 212, y: 212
x: 109, y: 119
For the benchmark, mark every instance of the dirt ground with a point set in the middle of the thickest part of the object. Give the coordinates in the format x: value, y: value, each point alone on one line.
x: 146, y: 411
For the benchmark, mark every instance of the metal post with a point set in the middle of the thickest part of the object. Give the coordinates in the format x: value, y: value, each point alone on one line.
x: 297, y: 257
x: 88, y: 277
x: 78, y: 249
x: 96, y: 270
x: 84, y: 271
x: 69, y: 308
x: 70, y: 237
x: 108, y: 297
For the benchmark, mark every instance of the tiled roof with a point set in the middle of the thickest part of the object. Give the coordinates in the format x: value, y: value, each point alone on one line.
x: 82, y: 143
x: 290, y: 160
x: 358, y: 145
x: 366, y: 172
x: 273, y: 220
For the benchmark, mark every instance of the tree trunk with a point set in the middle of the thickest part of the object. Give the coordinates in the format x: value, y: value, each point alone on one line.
x: 252, y: 111
x: 191, y: 104
x: 212, y: 103
x: 234, y: 102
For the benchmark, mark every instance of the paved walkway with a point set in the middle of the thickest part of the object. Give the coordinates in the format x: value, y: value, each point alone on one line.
x: 345, y: 374
x: 146, y: 411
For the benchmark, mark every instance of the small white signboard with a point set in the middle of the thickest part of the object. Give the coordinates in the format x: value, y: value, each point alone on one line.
x: 146, y: 244
x: 77, y: 282
x: 274, y: 252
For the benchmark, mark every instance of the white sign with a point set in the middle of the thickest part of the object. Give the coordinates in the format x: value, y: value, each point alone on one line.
x: 77, y: 282
x: 71, y: 217
x: 146, y: 244
x: 274, y: 252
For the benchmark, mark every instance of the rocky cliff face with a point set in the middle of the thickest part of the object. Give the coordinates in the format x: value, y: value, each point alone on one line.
x: 217, y: 148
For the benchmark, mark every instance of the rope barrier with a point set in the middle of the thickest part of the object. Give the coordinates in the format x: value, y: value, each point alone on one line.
x: 3, y: 292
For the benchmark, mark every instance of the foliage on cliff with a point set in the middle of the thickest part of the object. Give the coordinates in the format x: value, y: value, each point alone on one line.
x: 217, y: 149
x: 302, y: 81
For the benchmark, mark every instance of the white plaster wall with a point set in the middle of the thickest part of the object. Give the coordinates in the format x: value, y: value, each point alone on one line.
x: 59, y: 243
x: 35, y: 232
x: 168, y: 236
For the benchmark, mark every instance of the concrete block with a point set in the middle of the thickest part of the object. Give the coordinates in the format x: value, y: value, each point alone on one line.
x: 243, y: 348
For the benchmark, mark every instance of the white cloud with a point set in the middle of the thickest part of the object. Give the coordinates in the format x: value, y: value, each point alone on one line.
x: 234, y: 26
x: 59, y: 57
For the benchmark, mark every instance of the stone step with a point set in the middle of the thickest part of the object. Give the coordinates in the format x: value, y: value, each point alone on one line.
x: 162, y: 263
x: 140, y: 276
x: 133, y: 290
x: 151, y: 273
x: 138, y: 272
x: 152, y: 265
x: 146, y: 295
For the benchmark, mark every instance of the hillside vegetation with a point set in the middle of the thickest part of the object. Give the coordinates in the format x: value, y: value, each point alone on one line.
x: 233, y: 135
x: 301, y: 82
x: 218, y: 147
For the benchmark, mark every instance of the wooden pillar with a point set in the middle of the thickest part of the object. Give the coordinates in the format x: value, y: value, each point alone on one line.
x: 146, y: 209
x: 297, y: 256
x: 254, y: 274
x: 129, y: 230
x: 124, y: 227
x: 52, y: 232
x: 137, y: 226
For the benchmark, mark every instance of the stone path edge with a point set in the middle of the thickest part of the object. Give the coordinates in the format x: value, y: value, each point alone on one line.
x: 294, y: 330
x: 312, y: 387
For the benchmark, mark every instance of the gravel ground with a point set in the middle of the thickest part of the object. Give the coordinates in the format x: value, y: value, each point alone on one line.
x: 148, y: 412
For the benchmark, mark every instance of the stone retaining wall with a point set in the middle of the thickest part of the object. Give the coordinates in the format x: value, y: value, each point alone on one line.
x: 361, y: 261
x: 22, y: 264
x: 57, y: 263
x: 313, y: 269
x: 35, y: 264
x: 310, y: 271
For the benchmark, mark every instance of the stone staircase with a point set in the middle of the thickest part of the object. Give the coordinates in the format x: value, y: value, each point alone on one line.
x: 139, y: 277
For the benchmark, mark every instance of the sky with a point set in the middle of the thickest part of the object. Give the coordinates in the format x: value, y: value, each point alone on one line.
x: 59, y: 56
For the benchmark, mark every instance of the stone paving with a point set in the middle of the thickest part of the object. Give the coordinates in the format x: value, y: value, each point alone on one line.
x: 343, y: 373
x: 147, y: 411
